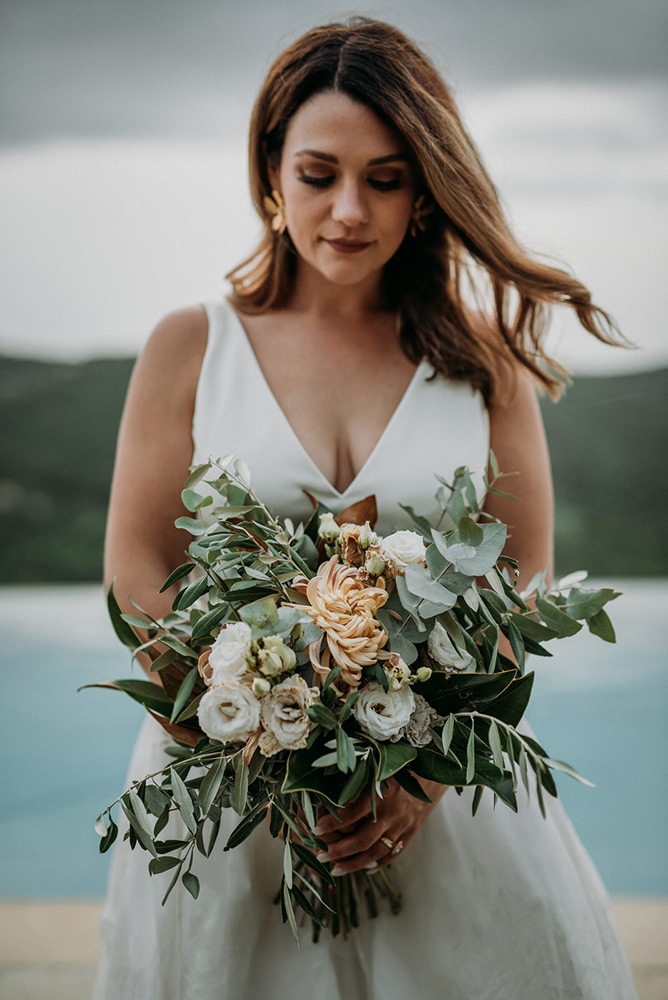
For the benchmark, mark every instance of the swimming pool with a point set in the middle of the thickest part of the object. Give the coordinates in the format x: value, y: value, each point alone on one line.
x: 602, y: 708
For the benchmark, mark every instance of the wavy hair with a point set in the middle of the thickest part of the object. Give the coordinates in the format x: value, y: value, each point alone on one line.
x: 467, y: 246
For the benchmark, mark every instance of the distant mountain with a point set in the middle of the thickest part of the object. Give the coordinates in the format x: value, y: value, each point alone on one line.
x: 608, y: 440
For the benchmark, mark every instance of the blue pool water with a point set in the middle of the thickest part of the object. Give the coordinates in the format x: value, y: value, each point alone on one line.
x: 602, y: 708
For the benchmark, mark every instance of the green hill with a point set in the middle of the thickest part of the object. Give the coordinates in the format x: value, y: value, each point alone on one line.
x: 59, y: 423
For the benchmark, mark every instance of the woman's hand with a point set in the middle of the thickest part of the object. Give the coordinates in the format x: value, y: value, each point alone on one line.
x: 356, y: 842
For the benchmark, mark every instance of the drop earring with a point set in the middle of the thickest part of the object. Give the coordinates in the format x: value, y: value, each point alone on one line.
x: 421, y: 212
x: 276, y: 208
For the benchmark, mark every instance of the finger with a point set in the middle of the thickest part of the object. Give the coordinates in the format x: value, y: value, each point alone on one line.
x: 360, y: 841
x: 377, y: 856
x: 349, y: 815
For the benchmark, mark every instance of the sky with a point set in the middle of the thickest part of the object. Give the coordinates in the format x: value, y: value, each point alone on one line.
x: 123, y: 189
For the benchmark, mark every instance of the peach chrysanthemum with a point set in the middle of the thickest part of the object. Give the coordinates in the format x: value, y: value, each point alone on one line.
x: 343, y: 606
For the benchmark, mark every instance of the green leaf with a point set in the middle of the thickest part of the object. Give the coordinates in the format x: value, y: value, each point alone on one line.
x: 601, y: 626
x: 191, y: 594
x: 287, y: 863
x: 477, y: 796
x: 345, y: 751
x: 348, y: 705
x: 392, y: 757
x: 310, y: 859
x: 421, y: 522
x: 587, y: 603
x: 185, y: 690
x: 109, y: 837
x: 183, y: 800
x: 126, y: 634
x: 495, y: 745
x: 240, y: 790
x: 184, y: 570
x: 331, y: 677
x: 145, y: 692
x: 531, y: 628
x: 511, y: 704
x: 516, y: 642
x: 557, y: 619
x: 290, y: 913
x: 469, y: 532
x: 322, y: 715
x: 244, y: 829
x: 145, y: 838
x: 470, y: 755
x: 411, y: 785
x: 190, y: 524
x: 155, y: 799
x: 261, y: 613
x: 163, y: 864
x: 211, y: 785
x: 448, y: 732
x: 191, y: 882
x: 355, y: 783
x: 166, y: 657
x: 302, y: 775
x: 210, y: 620
x: 419, y: 582
x: 196, y: 474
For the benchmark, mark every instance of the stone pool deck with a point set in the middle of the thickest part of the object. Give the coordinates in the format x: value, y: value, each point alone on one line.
x: 48, y: 950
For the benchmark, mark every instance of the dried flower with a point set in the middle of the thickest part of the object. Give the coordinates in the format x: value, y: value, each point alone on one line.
x: 343, y: 606
x: 284, y: 717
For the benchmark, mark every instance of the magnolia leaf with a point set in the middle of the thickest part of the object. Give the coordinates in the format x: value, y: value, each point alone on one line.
x: 360, y: 512
x: 126, y: 634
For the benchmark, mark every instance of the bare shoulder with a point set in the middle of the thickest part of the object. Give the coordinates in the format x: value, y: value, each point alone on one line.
x: 178, y: 339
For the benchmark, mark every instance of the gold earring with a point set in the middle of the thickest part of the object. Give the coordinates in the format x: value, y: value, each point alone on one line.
x: 421, y: 212
x: 276, y: 208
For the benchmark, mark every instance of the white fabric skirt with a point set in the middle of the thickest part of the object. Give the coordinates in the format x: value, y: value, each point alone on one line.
x: 499, y: 906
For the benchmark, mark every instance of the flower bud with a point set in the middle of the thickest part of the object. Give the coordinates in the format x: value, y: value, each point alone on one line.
x: 269, y: 663
x: 423, y: 673
x: 329, y: 530
x: 374, y: 565
x: 260, y: 687
x: 275, y: 645
x: 366, y: 536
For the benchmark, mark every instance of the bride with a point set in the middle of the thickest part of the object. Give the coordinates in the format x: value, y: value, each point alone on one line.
x: 389, y: 326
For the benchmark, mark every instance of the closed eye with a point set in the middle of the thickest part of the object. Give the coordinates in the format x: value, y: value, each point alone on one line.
x: 323, y: 182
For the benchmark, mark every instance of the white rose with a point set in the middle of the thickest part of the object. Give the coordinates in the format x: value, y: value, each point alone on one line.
x: 383, y: 714
x: 402, y: 548
x: 229, y: 712
x: 442, y: 649
x: 423, y: 716
x: 227, y: 656
x: 283, y: 715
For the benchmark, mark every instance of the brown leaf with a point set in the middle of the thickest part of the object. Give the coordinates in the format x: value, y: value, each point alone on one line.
x: 358, y: 513
x: 190, y: 737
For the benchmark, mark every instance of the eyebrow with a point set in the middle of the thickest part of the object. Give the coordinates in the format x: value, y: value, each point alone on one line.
x: 391, y: 158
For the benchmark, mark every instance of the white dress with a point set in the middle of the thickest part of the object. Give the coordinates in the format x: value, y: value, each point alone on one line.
x: 499, y: 906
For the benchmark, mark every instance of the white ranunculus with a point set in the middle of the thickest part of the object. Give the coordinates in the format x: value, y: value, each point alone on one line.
x: 229, y: 712
x: 283, y: 715
x: 442, y: 649
x: 423, y: 716
x: 402, y: 548
x: 227, y: 658
x: 383, y: 714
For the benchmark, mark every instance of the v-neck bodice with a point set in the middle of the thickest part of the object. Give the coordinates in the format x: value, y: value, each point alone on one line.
x: 437, y: 426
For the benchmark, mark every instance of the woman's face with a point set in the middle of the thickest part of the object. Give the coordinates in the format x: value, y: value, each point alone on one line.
x: 348, y: 186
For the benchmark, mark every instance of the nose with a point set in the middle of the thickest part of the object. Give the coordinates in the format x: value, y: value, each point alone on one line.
x: 350, y: 207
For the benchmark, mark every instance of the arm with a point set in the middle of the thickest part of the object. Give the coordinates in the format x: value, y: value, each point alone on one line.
x: 517, y: 439
x: 154, y: 451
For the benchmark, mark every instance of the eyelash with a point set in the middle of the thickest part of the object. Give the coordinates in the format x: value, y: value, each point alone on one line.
x: 323, y: 182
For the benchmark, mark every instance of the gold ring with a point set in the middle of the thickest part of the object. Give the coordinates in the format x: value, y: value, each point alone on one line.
x: 388, y: 843
x: 399, y: 846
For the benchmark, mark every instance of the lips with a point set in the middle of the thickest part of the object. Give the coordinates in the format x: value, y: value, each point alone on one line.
x: 348, y: 246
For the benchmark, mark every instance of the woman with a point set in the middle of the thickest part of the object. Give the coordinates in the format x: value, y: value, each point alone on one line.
x: 377, y: 209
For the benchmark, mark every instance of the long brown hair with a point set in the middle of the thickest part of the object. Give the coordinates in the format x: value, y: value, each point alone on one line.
x: 467, y: 244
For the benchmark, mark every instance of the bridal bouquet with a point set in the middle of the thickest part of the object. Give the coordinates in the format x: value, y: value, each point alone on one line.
x: 301, y: 666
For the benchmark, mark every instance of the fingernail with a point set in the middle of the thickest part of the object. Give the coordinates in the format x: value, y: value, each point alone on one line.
x: 322, y: 856
x: 371, y: 866
x: 337, y: 870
